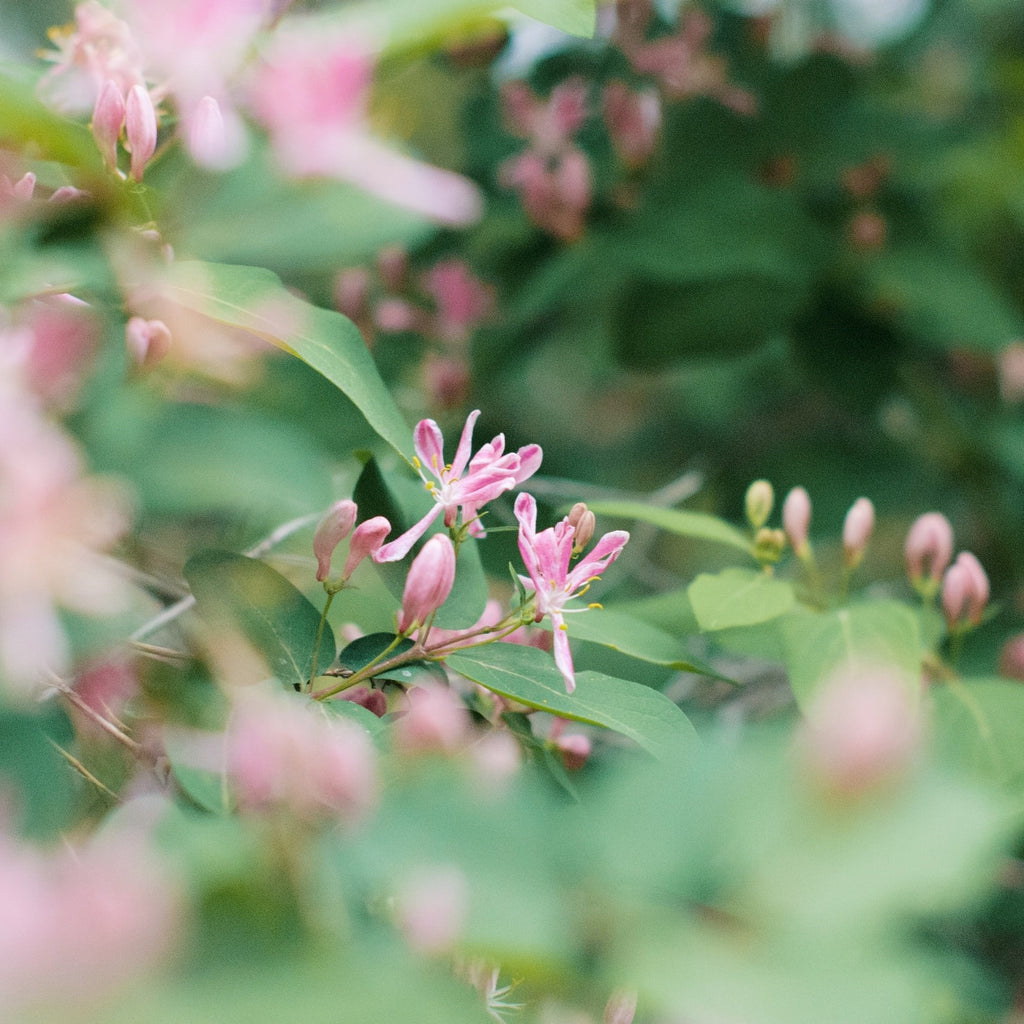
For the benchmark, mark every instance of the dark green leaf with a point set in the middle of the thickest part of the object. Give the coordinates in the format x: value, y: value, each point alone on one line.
x: 529, y: 676
x: 233, y: 590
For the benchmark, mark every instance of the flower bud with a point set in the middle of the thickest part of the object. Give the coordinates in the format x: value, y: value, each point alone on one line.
x: 207, y: 136
x: 429, y: 582
x: 857, y: 529
x: 367, y: 538
x: 107, y: 121
x: 148, y: 341
x: 769, y: 545
x: 575, y: 750
x: 759, y: 501
x: 434, y: 721
x: 796, y: 520
x: 620, y: 1008
x: 1011, y: 658
x: 140, y: 129
x: 929, y: 548
x: 374, y: 701
x: 583, y: 523
x: 331, y: 531
x: 965, y: 591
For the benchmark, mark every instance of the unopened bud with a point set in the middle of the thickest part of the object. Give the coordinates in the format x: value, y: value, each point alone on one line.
x: 928, y: 550
x: 429, y: 582
x: 207, y: 136
x: 583, y: 523
x: 620, y: 1008
x: 140, y: 129
x: 796, y: 519
x: 759, y: 501
x: 857, y: 529
x: 148, y: 341
x: 769, y: 545
x: 434, y: 721
x: 367, y: 538
x: 965, y: 591
x: 374, y: 701
x: 575, y: 750
x: 1011, y: 658
x: 24, y: 188
x: 107, y: 121
x: 335, y: 526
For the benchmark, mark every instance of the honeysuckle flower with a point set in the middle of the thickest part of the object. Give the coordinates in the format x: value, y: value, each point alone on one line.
x: 547, y: 556
x: 429, y: 582
x: 464, y: 484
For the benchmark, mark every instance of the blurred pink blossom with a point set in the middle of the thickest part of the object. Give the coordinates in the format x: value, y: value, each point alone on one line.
x: 462, y: 300
x: 285, y: 753
x: 431, y: 907
x: 75, y: 925
x: 858, y: 526
x: 929, y: 548
x: 434, y: 720
x: 965, y: 591
x: 311, y: 92
x: 633, y: 120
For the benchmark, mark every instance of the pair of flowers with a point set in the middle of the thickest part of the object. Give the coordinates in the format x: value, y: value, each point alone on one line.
x: 460, y: 489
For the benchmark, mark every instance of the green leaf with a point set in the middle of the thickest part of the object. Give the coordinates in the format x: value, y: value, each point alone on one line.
x: 883, y: 634
x: 698, y: 525
x: 578, y: 17
x: 207, y: 789
x: 738, y: 597
x: 272, y: 614
x: 529, y: 676
x: 633, y: 637
x: 365, y: 649
x: 39, y: 783
x: 254, y: 300
x: 979, y: 726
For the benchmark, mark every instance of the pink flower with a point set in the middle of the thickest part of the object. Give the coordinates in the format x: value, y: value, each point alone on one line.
x: 796, y: 519
x: 465, y: 484
x: 140, y: 129
x: 547, y: 556
x: 857, y: 529
x: 429, y: 582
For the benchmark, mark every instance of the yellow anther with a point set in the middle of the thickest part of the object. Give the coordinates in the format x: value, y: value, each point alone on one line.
x: 594, y: 604
x: 564, y: 626
x: 416, y: 463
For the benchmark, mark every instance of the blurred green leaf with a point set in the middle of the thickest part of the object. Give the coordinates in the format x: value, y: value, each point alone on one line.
x: 529, y: 676
x: 738, y: 597
x: 881, y: 635
x: 233, y: 590
x: 698, y: 525
x: 578, y: 17
x: 254, y: 300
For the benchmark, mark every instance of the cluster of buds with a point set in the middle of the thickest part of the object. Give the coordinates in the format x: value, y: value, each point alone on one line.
x: 928, y: 551
x: 768, y: 543
x: 679, y: 62
x: 965, y: 592
x: 552, y: 176
x: 130, y: 119
x: 444, y: 306
x: 333, y: 528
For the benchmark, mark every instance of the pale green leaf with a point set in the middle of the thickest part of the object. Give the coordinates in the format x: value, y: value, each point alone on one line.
x: 698, y: 525
x: 738, y: 597
x: 883, y: 634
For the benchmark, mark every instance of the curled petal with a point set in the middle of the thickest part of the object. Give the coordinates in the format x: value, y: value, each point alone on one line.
x: 429, y: 444
x: 563, y: 655
x: 400, y: 546
x: 465, y: 444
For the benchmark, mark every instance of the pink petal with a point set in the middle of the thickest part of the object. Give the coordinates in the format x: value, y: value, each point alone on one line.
x: 529, y: 462
x: 465, y: 444
x: 563, y: 656
x: 400, y: 546
x: 429, y: 444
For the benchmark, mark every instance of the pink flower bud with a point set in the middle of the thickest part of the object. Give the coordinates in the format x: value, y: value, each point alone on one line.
x: 862, y: 728
x: 107, y: 121
x: 1011, y: 658
x: 435, y: 720
x: 207, y: 136
x: 429, y: 582
x: 929, y: 547
x: 575, y: 749
x: 335, y: 526
x: 375, y: 701
x: 583, y: 531
x: 431, y: 908
x: 148, y: 341
x: 395, y: 315
x: 366, y: 540
x: 857, y: 529
x: 796, y: 519
x: 24, y: 187
x: 965, y: 591
x: 393, y: 266
x: 620, y: 1008
x: 140, y: 129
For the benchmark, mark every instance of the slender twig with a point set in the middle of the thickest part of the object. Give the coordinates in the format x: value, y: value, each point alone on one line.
x: 84, y: 772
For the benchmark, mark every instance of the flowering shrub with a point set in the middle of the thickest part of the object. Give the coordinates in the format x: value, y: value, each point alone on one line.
x: 305, y: 717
